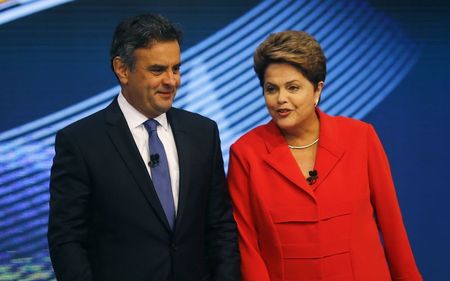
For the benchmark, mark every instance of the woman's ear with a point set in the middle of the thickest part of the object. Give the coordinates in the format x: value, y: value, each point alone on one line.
x: 318, y: 92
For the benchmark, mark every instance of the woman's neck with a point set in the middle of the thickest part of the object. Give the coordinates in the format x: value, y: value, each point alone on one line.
x: 305, y: 133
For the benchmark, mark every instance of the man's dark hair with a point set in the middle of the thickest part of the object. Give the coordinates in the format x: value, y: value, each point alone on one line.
x: 139, y: 32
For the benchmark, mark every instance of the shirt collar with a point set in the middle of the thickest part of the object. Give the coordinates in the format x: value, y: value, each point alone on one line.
x: 135, y: 118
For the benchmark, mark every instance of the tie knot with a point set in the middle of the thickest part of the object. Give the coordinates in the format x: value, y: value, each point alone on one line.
x: 150, y: 125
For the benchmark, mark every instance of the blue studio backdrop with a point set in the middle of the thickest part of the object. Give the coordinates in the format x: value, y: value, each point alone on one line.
x: 388, y: 64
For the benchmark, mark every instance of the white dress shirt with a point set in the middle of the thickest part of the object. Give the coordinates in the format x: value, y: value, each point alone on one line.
x: 135, y: 121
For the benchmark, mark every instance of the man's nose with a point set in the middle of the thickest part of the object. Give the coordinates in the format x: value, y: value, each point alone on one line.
x: 170, y: 79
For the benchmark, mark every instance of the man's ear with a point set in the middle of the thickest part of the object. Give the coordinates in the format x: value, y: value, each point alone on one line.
x: 121, y: 70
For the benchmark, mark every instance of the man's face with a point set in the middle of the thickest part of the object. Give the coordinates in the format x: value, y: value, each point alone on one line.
x: 151, y: 85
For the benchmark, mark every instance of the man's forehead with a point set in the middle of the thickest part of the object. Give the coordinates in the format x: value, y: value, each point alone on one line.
x: 163, y: 53
x: 161, y: 46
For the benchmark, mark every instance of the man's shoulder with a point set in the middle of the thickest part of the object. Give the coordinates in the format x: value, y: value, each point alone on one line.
x: 189, y: 118
x: 87, y: 125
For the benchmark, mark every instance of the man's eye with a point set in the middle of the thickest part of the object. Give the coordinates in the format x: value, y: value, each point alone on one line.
x: 157, y: 70
x: 176, y: 70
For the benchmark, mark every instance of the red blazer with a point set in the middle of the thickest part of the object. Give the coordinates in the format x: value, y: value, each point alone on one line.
x: 290, y: 230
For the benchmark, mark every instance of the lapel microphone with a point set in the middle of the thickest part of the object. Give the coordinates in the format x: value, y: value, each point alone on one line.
x: 313, y: 176
x: 154, y: 160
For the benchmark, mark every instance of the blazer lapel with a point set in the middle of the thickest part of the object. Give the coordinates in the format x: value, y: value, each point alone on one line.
x: 123, y: 141
x: 182, y: 141
x: 281, y: 160
x: 329, y: 152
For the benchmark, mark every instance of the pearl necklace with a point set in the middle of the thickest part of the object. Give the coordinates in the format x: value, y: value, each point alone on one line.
x: 303, y: 146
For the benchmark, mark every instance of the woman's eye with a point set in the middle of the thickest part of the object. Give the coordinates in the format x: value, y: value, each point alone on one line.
x: 293, y: 88
x: 270, y: 89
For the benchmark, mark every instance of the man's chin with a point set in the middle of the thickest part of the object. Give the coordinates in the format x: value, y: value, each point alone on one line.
x: 164, y: 107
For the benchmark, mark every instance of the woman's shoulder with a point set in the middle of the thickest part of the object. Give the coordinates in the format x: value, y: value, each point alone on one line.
x: 253, y: 138
x: 347, y: 123
x: 344, y: 131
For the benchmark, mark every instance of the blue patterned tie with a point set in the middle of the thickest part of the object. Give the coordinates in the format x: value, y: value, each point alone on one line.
x: 160, y: 171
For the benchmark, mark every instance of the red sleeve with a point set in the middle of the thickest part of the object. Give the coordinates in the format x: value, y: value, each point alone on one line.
x: 389, y: 219
x: 252, y: 265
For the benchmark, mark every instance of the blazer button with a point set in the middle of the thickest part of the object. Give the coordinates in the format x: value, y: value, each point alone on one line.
x: 173, y: 247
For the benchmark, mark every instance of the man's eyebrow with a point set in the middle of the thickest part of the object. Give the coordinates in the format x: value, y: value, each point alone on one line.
x: 161, y: 66
x: 157, y: 66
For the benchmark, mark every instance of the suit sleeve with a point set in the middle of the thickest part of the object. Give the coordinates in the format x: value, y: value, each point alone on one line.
x: 223, y: 250
x: 68, y: 216
x: 389, y: 219
x: 252, y: 264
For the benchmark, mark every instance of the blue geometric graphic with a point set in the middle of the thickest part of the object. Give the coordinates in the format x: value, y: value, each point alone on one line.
x: 13, y: 9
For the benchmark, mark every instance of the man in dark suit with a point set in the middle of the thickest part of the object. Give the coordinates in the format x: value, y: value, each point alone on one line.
x: 137, y: 190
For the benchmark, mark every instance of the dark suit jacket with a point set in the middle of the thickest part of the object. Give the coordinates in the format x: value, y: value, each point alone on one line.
x: 106, y: 222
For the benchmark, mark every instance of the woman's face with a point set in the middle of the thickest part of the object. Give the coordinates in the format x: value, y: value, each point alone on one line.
x: 290, y: 97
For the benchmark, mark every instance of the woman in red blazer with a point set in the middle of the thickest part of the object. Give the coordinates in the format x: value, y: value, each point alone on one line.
x: 312, y: 193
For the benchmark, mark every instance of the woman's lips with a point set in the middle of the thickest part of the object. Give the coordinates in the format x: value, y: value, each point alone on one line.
x: 283, y: 112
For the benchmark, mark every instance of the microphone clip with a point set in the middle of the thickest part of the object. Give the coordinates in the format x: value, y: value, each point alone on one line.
x: 313, y: 176
x: 154, y: 160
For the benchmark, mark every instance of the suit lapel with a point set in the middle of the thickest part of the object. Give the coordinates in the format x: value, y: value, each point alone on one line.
x: 329, y: 152
x: 281, y: 160
x: 182, y: 142
x: 123, y: 141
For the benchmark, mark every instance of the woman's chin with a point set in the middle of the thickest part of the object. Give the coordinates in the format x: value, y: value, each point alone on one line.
x: 286, y: 124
